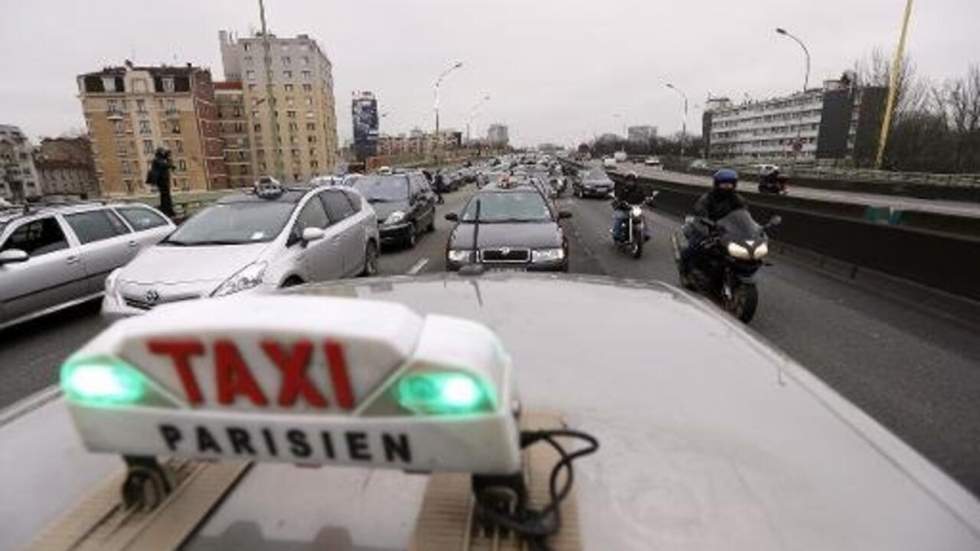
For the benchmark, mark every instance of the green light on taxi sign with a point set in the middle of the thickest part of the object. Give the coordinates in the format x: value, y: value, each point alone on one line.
x: 102, y: 381
x: 443, y: 393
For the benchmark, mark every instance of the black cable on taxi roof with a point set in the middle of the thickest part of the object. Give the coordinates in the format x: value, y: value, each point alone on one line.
x: 534, y: 525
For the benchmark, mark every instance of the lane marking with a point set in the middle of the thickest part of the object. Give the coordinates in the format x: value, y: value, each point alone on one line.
x: 417, y: 267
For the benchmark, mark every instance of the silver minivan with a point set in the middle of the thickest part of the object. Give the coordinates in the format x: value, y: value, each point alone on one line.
x: 271, y: 237
x: 53, y: 257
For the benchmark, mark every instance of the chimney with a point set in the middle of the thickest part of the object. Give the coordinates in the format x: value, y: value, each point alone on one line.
x: 129, y: 65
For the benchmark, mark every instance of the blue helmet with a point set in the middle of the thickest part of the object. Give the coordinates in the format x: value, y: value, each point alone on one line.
x: 726, y: 175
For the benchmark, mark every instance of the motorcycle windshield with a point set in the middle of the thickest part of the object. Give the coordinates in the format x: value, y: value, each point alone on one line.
x: 738, y: 225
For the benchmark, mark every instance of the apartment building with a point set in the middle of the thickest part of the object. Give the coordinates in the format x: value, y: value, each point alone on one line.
x: 130, y: 111
x: 497, y: 135
x: 837, y: 121
x: 65, y: 167
x: 289, y: 103
x: 18, y: 175
x: 229, y: 97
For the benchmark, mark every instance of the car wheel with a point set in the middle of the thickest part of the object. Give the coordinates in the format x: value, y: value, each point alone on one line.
x: 412, y: 238
x: 291, y: 281
x: 432, y: 223
x: 370, y: 260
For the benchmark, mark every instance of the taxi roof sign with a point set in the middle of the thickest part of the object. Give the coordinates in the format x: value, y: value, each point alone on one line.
x: 311, y: 380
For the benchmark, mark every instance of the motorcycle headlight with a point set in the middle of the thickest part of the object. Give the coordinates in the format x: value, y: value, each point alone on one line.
x: 762, y: 250
x: 395, y: 217
x: 459, y: 255
x: 110, y: 281
x: 547, y: 255
x: 248, y: 277
x: 636, y: 211
x: 738, y: 251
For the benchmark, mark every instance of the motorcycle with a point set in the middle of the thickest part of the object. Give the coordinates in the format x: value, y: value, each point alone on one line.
x: 631, y: 241
x: 727, y: 260
x: 774, y: 184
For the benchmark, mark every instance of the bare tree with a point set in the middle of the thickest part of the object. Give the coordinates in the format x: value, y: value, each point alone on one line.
x: 957, y: 105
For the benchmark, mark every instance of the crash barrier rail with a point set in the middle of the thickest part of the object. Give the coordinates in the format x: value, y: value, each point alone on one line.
x: 952, y: 187
x: 939, y: 260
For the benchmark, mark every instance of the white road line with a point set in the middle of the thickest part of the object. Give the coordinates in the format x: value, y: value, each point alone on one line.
x: 417, y: 267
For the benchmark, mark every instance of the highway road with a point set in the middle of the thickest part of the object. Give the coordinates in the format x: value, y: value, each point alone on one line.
x: 867, y: 199
x: 908, y: 356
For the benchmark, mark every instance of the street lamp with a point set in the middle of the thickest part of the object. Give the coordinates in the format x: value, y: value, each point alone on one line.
x: 444, y: 74
x: 473, y: 112
x: 684, y: 121
x: 806, y: 83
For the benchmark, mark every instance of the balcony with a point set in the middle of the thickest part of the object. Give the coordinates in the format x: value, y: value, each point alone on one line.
x: 114, y: 114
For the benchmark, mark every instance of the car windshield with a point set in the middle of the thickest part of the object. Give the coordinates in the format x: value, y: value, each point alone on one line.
x: 382, y: 189
x: 507, y: 207
x: 233, y: 223
x: 597, y: 175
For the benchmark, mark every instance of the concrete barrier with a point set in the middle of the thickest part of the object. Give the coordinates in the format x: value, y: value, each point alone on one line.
x: 938, y: 259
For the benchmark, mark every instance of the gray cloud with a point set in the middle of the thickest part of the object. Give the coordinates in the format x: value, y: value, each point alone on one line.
x: 557, y: 70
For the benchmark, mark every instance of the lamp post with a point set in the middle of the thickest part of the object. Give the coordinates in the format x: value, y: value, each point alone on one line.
x: 684, y: 121
x: 270, y: 96
x: 806, y: 83
x: 444, y: 74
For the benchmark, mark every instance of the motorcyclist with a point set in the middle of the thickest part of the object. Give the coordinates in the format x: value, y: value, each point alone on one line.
x: 713, y: 205
x: 438, y: 184
x: 626, y: 193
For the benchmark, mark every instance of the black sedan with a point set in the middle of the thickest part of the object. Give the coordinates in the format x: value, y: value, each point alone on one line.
x: 508, y: 228
x: 594, y: 183
x: 404, y: 203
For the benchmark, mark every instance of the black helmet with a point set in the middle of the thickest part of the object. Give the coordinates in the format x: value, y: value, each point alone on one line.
x: 631, y: 177
x: 726, y: 176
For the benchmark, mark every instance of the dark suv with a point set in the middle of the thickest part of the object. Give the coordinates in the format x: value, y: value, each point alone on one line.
x: 404, y: 203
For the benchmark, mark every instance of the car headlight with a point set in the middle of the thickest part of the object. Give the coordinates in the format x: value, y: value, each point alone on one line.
x: 636, y: 211
x: 738, y: 251
x: 248, y: 277
x: 762, y: 250
x: 110, y: 281
x: 547, y: 255
x: 459, y: 255
x: 395, y: 217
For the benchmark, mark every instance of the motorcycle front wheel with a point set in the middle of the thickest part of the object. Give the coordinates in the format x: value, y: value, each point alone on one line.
x: 742, y: 301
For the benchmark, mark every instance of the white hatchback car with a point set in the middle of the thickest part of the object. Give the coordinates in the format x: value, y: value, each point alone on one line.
x: 270, y: 238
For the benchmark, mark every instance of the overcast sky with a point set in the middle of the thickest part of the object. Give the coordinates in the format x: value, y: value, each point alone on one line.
x: 556, y: 70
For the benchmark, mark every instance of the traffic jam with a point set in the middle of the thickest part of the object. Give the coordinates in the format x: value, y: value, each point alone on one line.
x: 263, y: 329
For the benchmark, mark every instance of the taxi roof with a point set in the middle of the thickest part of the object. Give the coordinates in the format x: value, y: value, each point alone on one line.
x: 711, y: 438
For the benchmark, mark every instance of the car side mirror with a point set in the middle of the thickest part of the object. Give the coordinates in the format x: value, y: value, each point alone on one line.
x: 13, y: 256
x: 452, y: 217
x: 774, y: 221
x: 313, y: 234
x: 564, y: 214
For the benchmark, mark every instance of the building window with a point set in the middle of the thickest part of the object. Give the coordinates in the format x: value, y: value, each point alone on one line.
x: 307, y: 75
x: 306, y: 60
x: 109, y: 84
x: 291, y: 114
x: 251, y: 87
x: 245, y: 46
x: 311, y: 126
x: 309, y: 114
x: 311, y: 138
x: 287, y: 74
x: 182, y: 165
x: 288, y: 87
x: 257, y: 127
x: 168, y: 84
x: 147, y: 147
x: 250, y: 75
x: 248, y: 60
x: 139, y: 86
x: 255, y: 114
x: 119, y: 127
x: 141, y: 105
x: 289, y: 101
x: 286, y: 60
x: 293, y: 127
x: 175, y: 127
x: 307, y: 87
x: 179, y: 146
x: 314, y: 164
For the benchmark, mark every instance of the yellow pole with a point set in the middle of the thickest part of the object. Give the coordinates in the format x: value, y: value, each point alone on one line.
x: 886, y: 122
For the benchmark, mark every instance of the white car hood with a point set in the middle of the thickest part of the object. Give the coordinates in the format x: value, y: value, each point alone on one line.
x: 177, y: 264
